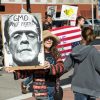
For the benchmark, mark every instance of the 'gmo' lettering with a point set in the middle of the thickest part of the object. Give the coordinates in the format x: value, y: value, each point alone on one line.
x: 20, y: 17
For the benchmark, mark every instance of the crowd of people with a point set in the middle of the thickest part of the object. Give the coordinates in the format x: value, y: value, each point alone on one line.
x: 84, y: 58
x: 49, y: 23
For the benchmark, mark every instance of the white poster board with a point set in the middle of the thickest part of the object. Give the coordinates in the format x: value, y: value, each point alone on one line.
x: 51, y: 10
x: 68, y: 12
x: 22, y: 36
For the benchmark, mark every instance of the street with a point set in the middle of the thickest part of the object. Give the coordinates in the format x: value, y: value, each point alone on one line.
x: 10, y: 88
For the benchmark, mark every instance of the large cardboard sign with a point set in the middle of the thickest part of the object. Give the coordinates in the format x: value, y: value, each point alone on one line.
x: 69, y: 12
x: 22, y: 36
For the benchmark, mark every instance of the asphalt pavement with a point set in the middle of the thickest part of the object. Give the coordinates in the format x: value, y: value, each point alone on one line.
x: 10, y: 88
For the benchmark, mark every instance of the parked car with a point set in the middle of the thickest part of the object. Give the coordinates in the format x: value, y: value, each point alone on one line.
x: 96, y: 21
x: 88, y: 23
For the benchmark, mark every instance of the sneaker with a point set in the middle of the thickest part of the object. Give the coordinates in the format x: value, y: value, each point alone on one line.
x: 24, y: 88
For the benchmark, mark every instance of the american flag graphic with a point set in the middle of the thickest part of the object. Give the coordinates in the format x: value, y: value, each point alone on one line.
x: 70, y: 37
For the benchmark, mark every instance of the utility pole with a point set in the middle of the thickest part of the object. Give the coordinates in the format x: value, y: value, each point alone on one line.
x: 2, y: 7
x: 92, y: 13
x: 28, y: 6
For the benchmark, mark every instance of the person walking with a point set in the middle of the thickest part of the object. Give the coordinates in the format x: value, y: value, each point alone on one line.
x: 85, y: 59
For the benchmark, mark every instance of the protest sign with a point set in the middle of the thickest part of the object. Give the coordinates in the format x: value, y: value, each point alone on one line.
x: 68, y: 12
x: 22, y: 40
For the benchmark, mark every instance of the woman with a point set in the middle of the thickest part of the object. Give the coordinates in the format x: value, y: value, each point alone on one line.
x: 54, y: 62
x: 46, y: 81
x: 86, y: 62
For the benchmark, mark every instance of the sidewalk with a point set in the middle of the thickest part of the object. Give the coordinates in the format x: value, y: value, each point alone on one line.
x: 67, y: 95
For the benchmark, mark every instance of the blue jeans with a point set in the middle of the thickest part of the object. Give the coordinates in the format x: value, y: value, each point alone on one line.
x: 80, y: 96
x: 51, y: 92
x: 28, y: 80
